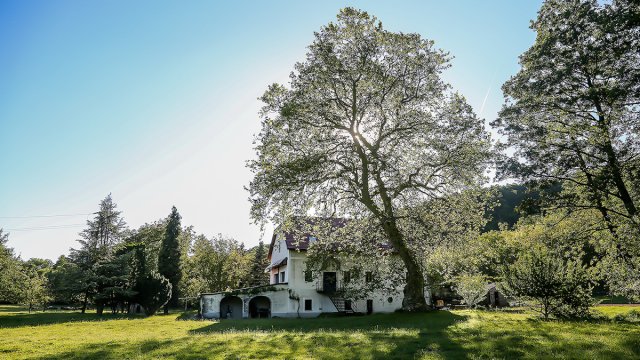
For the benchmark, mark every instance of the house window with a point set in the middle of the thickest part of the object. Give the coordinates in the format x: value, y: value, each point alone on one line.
x: 368, y: 276
x: 275, y: 278
x: 347, y: 305
x: 308, y: 276
x: 308, y: 305
x: 282, y: 277
x: 346, y: 276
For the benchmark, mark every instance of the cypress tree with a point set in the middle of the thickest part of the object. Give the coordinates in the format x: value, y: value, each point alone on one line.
x: 169, y: 257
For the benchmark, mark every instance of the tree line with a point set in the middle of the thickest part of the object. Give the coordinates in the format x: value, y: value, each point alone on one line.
x: 119, y: 269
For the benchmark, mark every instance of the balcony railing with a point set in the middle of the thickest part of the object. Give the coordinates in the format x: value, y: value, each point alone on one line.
x: 328, y: 287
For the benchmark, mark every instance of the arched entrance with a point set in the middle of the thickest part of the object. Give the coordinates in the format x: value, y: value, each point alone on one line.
x: 231, y: 308
x: 260, y: 307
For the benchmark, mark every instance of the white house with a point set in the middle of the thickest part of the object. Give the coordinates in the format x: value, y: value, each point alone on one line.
x: 292, y: 291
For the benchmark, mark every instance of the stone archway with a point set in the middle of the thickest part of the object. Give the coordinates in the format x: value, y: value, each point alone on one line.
x: 231, y: 307
x: 260, y: 307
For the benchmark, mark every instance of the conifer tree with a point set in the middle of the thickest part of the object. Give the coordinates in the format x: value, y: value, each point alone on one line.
x: 169, y: 258
x: 102, y: 234
x: 257, y: 276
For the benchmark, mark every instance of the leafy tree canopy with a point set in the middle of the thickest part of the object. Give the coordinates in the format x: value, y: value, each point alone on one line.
x: 366, y: 128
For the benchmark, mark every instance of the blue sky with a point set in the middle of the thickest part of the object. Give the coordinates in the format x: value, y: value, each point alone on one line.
x: 156, y: 101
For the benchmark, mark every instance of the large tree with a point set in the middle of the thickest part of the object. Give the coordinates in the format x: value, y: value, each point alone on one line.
x: 366, y: 128
x: 169, y: 259
x: 571, y: 113
x: 9, y: 270
x: 216, y: 264
x: 102, y: 234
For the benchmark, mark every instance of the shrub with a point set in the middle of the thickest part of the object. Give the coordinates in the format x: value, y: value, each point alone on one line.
x: 555, y: 286
x: 472, y: 288
x: 154, y: 291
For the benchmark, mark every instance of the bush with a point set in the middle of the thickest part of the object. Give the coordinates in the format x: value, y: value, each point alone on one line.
x: 472, y: 288
x: 555, y: 286
x: 154, y: 291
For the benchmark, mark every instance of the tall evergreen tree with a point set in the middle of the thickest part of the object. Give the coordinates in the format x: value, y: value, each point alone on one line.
x: 169, y: 258
x: 257, y: 276
x: 106, y: 230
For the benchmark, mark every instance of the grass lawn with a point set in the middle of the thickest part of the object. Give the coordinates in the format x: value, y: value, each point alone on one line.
x: 463, y: 334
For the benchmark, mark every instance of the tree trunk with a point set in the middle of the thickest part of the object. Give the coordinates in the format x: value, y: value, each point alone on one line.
x: 414, y: 288
x: 84, y: 302
x: 616, y: 174
x: 595, y: 192
x: 166, y: 309
x: 613, y: 163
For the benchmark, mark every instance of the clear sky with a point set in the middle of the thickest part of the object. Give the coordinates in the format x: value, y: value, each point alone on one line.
x: 156, y: 101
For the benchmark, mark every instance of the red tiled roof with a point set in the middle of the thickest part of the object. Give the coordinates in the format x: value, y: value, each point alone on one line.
x: 301, y: 243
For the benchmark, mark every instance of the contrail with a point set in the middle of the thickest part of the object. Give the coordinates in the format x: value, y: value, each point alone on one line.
x: 484, y: 101
x: 486, y: 96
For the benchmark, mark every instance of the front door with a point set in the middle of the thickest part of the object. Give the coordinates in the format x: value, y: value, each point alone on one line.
x: 329, y: 282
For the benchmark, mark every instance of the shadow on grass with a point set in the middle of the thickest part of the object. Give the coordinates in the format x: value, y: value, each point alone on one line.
x: 408, y: 335
x: 442, y: 335
x: 432, y: 320
x: 47, y: 318
x: 12, y: 308
x: 393, y: 336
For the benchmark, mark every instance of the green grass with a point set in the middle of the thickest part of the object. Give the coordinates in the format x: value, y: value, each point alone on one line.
x: 462, y: 334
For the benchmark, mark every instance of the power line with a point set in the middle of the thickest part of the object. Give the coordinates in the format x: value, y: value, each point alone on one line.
x: 46, y: 227
x: 42, y: 216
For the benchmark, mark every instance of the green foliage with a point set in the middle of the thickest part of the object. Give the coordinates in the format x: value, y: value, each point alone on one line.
x: 151, y: 235
x: 32, y: 284
x: 169, y: 258
x: 216, y: 264
x: 154, y: 292
x: 65, y: 281
x: 112, y: 283
x: 257, y: 275
x: 252, y: 290
x: 571, y: 117
x: 515, y: 201
x: 367, y: 129
x: 555, y: 286
x: 472, y: 288
x: 9, y: 271
x: 571, y: 112
x: 98, y: 241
